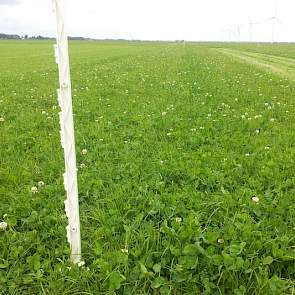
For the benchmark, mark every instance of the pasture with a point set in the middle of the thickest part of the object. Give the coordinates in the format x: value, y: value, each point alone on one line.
x: 186, y: 169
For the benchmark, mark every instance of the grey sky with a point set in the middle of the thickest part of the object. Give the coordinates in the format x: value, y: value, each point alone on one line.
x: 154, y: 19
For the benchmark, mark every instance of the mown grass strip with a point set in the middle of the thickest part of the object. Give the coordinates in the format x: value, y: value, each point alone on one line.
x: 282, y: 66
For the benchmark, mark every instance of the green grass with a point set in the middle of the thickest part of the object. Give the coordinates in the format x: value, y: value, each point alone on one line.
x: 179, y: 140
x: 282, y: 66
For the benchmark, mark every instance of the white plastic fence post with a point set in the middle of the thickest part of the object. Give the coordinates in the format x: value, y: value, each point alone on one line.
x: 67, y: 133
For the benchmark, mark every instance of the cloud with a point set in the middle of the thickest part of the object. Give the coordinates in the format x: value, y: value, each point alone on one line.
x: 9, y: 2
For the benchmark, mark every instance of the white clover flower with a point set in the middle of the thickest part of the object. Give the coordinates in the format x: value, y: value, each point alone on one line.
x: 3, y: 225
x: 2, y: 119
x: 161, y: 162
x: 247, y: 155
x: 267, y: 148
x: 272, y: 120
x: 82, y: 165
x: 84, y: 151
x: 41, y: 183
x: 220, y: 241
x: 124, y: 250
x: 43, y: 112
x: 202, y: 128
x: 255, y: 199
x: 257, y: 131
x: 193, y: 129
x: 178, y: 219
x: 34, y: 190
x: 81, y: 263
x: 164, y: 113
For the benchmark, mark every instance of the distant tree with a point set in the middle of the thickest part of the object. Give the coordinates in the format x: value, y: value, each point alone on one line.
x: 6, y: 36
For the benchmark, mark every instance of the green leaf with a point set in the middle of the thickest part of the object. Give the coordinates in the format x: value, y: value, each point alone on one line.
x: 193, y: 249
x: 157, y: 268
x: 276, y: 285
x: 239, y: 263
x: 241, y: 291
x: 158, y: 282
x: 188, y: 262
x: 175, y: 251
x: 217, y: 260
x: 3, y: 265
x: 115, y: 280
x: 27, y: 280
x: 190, y: 250
x: 143, y: 268
x: 268, y: 260
x: 212, y: 237
x: 228, y: 260
x: 164, y: 290
x: 34, y: 262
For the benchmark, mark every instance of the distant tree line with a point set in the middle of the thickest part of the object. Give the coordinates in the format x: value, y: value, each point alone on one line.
x: 38, y: 37
x: 6, y: 36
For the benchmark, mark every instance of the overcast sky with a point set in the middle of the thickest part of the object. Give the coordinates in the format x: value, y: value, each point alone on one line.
x: 154, y: 19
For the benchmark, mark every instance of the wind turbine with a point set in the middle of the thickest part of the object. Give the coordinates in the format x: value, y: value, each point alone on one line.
x: 273, y: 20
x: 236, y: 31
x: 229, y: 32
x: 239, y: 32
x: 251, y: 23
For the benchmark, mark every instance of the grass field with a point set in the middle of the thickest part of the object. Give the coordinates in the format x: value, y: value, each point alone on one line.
x: 188, y: 183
